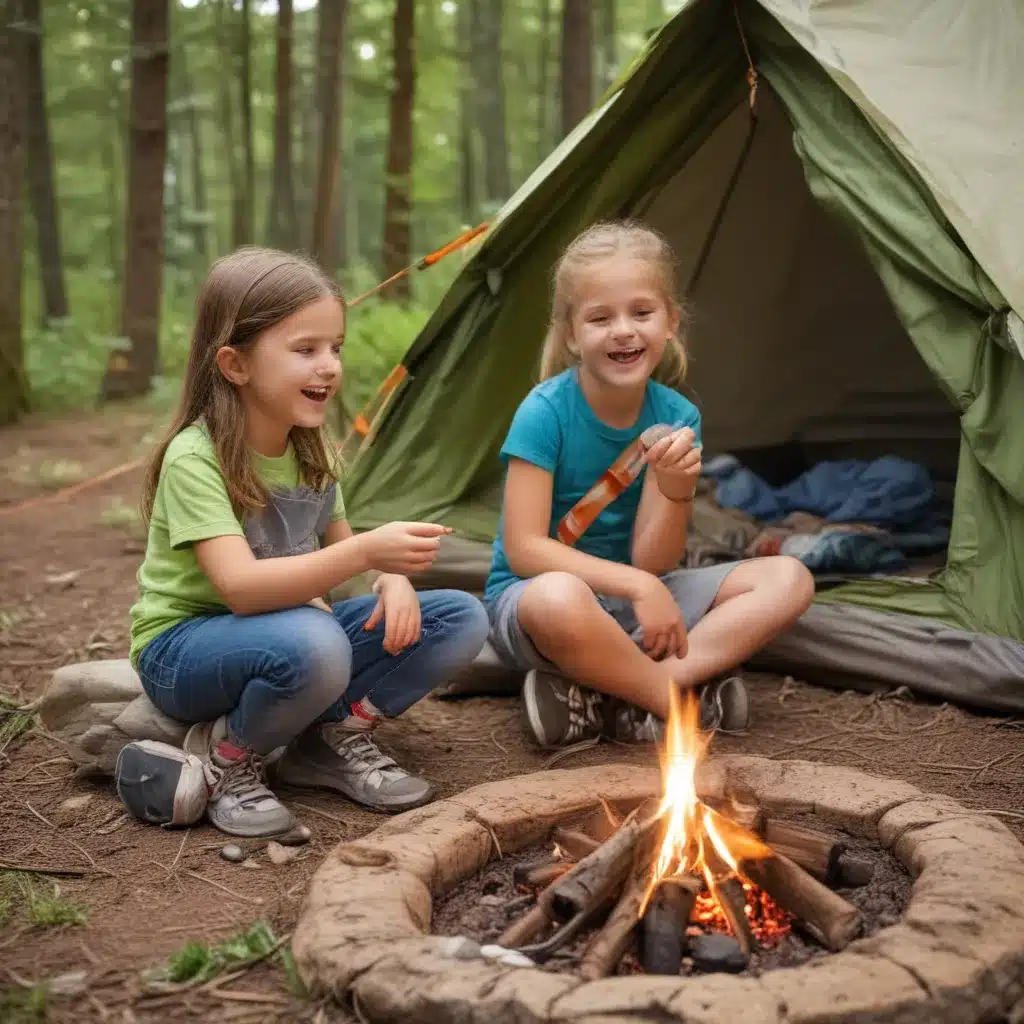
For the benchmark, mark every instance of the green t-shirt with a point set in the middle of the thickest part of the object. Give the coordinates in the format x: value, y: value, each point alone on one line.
x: 192, y: 504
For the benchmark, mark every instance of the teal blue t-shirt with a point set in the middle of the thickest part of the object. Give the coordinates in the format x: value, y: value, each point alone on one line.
x: 556, y: 429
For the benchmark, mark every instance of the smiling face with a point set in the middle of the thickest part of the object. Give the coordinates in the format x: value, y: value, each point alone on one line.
x: 289, y: 373
x: 621, y: 322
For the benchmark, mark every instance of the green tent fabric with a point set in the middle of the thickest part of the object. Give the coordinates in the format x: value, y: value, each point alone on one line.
x: 880, y: 246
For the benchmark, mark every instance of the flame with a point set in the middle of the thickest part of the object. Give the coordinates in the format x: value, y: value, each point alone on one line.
x: 698, y: 840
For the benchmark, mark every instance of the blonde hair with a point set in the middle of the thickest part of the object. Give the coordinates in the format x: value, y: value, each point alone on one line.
x: 243, y: 294
x: 599, y: 242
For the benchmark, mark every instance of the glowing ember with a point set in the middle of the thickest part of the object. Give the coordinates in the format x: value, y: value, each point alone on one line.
x: 698, y: 840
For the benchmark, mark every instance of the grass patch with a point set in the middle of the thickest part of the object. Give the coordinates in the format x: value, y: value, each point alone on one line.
x: 20, y: 1006
x: 198, y: 962
x: 14, y: 722
x: 120, y: 515
x: 11, y: 617
x: 43, y: 903
x: 51, y: 474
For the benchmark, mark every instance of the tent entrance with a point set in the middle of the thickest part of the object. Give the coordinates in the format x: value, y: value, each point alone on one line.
x: 796, y: 353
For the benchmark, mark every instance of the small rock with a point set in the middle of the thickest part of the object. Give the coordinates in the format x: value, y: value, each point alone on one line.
x: 71, y: 983
x: 279, y: 854
x: 491, y: 901
x: 63, y: 580
x: 251, y: 864
x: 458, y: 947
x: 508, y: 957
x: 76, y: 803
x: 717, y: 953
x: 233, y: 853
x: 296, y: 837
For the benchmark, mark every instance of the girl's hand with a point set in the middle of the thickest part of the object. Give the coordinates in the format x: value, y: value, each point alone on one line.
x: 403, y: 548
x: 676, y: 463
x: 660, y: 620
x: 399, y: 609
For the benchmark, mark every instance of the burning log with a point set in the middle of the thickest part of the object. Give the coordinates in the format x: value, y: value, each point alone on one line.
x: 540, y: 873
x: 663, y: 938
x: 728, y: 892
x: 827, y: 916
x: 576, y: 844
x: 608, y: 945
x: 817, y: 853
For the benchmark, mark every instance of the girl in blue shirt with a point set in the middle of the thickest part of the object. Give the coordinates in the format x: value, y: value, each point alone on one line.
x: 605, y: 626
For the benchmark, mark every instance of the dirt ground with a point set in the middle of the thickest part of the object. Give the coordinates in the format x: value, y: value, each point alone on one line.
x: 67, y: 581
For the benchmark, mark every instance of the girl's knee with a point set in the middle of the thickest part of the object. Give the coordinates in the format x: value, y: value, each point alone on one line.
x: 793, y: 581
x: 317, y: 657
x: 554, y: 600
x: 459, y: 613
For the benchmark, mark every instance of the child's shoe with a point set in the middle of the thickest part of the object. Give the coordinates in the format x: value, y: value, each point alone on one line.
x: 559, y: 711
x: 723, y: 706
x: 240, y: 803
x: 347, y: 760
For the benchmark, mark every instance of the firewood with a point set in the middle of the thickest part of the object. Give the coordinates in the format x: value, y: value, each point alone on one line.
x: 576, y: 844
x: 732, y: 899
x: 525, y: 929
x: 663, y: 938
x: 750, y: 816
x: 596, y: 879
x: 605, y: 950
x: 540, y: 873
x: 827, y: 916
x: 816, y: 852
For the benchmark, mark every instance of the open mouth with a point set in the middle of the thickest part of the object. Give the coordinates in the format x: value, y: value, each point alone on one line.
x: 626, y: 356
x: 316, y: 394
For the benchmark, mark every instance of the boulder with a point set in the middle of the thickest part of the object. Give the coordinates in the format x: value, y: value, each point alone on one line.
x: 96, y: 707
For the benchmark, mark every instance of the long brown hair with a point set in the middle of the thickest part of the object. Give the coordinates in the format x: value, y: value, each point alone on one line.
x: 243, y: 294
x: 596, y: 243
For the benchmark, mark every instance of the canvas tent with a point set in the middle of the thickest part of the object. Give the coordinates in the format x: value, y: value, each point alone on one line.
x: 855, y: 251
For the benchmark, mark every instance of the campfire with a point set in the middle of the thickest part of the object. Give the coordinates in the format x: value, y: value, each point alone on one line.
x: 678, y: 878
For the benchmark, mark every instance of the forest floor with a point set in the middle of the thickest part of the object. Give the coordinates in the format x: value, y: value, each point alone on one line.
x: 67, y: 582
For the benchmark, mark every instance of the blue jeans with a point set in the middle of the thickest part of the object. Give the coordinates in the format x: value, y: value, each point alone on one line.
x: 275, y: 674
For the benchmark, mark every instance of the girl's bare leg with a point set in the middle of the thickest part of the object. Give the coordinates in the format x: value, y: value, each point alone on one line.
x: 756, y: 601
x: 568, y: 626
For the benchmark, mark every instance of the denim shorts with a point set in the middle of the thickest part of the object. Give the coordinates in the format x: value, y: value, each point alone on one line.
x: 694, y: 591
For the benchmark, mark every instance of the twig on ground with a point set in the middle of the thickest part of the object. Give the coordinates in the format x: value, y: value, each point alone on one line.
x: 15, y: 936
x: 35, y: 869
x: 576, y: 748
x: 184, y: 840
x: 251, y: 997
x: 494, y: 740
x: 217, y: 885
x: 358, y: 1010
x: 67, y: 839
x: 934, y: 720
x: 323, y: 814
x: 1001, y: 761
x: 1001, y: 814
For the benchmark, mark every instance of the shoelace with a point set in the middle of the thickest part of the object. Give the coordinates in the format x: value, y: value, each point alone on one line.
x: 584, y: 711
x: 243, y: 779
x: 362, y: 748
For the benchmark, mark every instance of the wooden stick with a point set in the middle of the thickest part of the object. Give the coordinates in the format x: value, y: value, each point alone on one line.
x: 663, y: 939
x: 827, y: 916
x: 816, y: 852
x: 34, y: 870
x: 525, y: 929
x: 576, y: 844
x: 732, y: 899
x: 540, y: 873
x: 606, y: 948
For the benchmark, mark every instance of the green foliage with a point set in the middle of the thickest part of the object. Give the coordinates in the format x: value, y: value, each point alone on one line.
x: 21, y: 1006
x: 199, y: 961
x: 14, y: 723
x: 42, y: 902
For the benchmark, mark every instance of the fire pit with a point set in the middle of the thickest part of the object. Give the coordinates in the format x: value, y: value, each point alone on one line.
x: 648, y: 859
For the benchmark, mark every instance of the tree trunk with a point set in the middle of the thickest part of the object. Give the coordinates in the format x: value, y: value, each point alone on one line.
x: 543, y: 83
x: 609, y: 20
x: 577, y: 63
x: 197, y: 222
x: 13, y: 386
x: 40, y: 171
x: 281, y: 219
x: 467, y: 115
x: 227, y: 52
x: 130, y: 372
x: 490, y: 90
x: 245, y: 88
x: 329, y: 49
x: 398, y: 183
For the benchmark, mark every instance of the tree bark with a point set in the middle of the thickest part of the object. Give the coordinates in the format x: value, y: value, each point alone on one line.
x: 222, y: 16
x: 577, y: 63
x: 467, y: 115
x: 197, y: 222
x: 281, y: 218
x: 398, y: 186
x: 543, y: 82
x: 329, y: 49
x: 13, y: 386
x: 609, y: 19
x: 40, y: 171
x: 249, y: 154
x: 130, y: 372
x: 490, y: 90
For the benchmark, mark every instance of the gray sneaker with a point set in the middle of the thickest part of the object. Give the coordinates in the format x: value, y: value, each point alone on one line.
x: 330, y: 756
x: 724, y: 705
x: 240, y: 803
x: 559, y: 711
